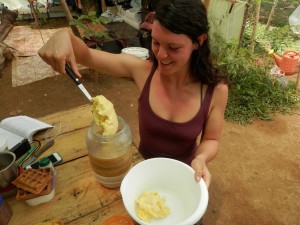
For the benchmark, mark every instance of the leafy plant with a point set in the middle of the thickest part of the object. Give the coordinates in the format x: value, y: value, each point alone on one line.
x: 253, y: 92
x: 277, y: 38
x: 83, y: 21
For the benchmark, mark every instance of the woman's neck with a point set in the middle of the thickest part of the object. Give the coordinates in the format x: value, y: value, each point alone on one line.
x: 175, y: 80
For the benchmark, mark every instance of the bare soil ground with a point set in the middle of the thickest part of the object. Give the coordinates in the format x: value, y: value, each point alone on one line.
x: 256, y: 175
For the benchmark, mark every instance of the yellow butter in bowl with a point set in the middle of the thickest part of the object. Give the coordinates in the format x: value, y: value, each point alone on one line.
x: 105, y: 115
x: 150, y: 205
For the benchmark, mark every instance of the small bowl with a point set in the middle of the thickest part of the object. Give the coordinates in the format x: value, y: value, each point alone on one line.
x: 171, y: 179
x: 142, y: 53
x: 8, y: 168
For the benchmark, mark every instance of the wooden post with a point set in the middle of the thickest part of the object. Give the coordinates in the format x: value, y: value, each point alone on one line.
x: 103, y: 6
x: 244, y: 22
x: 206, y: 3
x: 36, y: 19
x: 69, y: 17
x: 255, y: 24
x: 298, y: 78
x: 271, y: 14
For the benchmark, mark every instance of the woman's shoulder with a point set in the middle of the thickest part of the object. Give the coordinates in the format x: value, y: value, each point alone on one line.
x: 138, y: 65
x: 220, y: 94
x: 221, y: 88
x: 141, y: 72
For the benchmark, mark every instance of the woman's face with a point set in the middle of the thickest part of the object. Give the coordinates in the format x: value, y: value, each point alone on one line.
x: 172, y: 51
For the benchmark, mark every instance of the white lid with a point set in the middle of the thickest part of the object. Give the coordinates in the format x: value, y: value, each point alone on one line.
x: 137, y: 51
x: 3, y: 143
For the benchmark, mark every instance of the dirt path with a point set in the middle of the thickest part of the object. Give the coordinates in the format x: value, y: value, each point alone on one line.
x: 257, y: 174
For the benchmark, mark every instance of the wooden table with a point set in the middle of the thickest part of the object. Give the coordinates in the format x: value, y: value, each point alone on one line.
x: 79, y: 197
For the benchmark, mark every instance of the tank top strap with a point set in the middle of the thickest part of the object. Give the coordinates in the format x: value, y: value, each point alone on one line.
x: 146, y: 88
x: 206, y: 104
x: 207, y: 99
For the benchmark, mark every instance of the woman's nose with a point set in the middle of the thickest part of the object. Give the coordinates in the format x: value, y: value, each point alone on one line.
x: 162, y: 53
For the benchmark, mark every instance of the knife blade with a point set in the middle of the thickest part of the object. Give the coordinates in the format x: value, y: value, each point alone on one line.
x: 38, y: 153
x: 72, y: 75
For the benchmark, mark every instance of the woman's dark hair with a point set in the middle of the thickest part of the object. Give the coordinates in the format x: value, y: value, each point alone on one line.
x: 189, y: 17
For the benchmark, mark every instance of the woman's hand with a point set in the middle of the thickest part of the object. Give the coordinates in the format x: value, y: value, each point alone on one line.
x: 201, y: 170
x: 58, y: 51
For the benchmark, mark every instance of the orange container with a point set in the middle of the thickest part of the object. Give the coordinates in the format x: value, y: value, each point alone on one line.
x: 289, y: 62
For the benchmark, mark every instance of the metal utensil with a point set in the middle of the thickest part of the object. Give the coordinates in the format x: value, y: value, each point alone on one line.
x: 71, y: 74
x: 8, y: 168
x: 38, y: 153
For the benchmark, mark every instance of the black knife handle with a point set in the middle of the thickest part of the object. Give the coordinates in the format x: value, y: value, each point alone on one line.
x: 71, y: 74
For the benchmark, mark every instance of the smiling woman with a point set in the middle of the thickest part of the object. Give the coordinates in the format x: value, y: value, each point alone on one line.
x: 182, y: 93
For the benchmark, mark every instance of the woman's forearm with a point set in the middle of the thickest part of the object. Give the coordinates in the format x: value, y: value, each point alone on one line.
x: 207, y: 150
x: 81, y: 51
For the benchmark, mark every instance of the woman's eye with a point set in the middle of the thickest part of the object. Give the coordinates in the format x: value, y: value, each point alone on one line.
x: 174, y: 48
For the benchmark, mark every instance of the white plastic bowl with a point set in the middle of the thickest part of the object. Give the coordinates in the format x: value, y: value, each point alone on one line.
x: 171, y: 179
x: 137, y: 51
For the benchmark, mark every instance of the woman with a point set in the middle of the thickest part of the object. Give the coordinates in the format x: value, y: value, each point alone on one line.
x: 182, y: 95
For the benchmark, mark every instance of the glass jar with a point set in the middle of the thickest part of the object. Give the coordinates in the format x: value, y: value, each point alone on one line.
x: 110, y: 155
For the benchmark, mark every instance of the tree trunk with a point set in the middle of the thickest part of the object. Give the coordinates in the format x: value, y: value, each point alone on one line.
x: 271, y: 15
x: 255, y: 23
x: 33, y: 11
x: 206, y: 3
x: 69, y: 17
x: 244, y: 22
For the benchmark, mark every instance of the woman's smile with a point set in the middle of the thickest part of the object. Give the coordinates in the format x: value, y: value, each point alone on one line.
x: 165, y: 62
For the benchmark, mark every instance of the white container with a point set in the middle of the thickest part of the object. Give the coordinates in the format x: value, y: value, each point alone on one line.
x: 41, y: 199
x: 171, y: 179
x: 46, y: 163
x: 294, y: 21
x: 142, y: 53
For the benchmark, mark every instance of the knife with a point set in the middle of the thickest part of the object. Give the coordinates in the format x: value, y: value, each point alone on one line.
x: 71, y: 74
x: 38, y: 153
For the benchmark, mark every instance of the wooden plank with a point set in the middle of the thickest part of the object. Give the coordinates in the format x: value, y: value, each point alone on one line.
x: 75, y: 118
x: 71, y: 143
x: 99, y: 216
x: 79, y: 197
x: 64, y: 124
x: 72, y: 146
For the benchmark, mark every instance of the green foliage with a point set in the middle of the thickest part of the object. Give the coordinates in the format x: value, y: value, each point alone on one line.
x: 277, y: 38
x: 82, y: 21
x: 253, y: 92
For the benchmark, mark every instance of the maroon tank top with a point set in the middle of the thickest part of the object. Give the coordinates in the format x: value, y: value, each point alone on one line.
x: 163, y: 138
